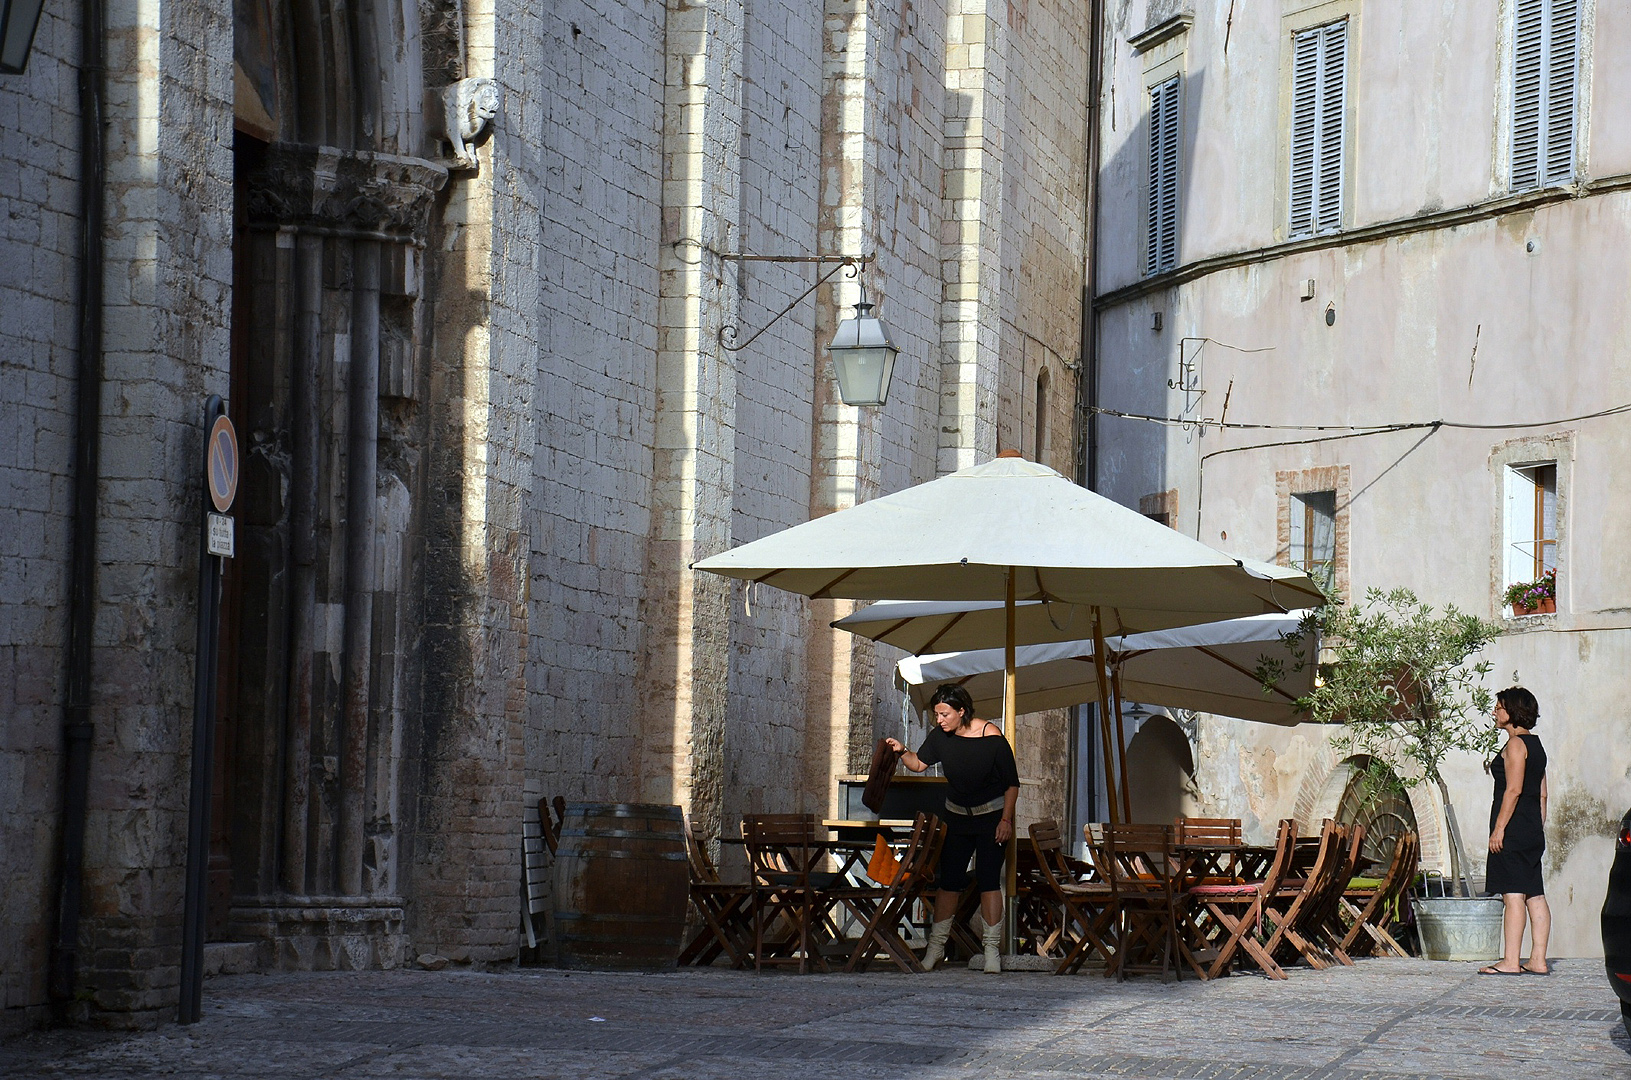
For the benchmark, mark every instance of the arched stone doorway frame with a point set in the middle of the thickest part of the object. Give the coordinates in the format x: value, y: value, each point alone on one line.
x: 1328, y: 777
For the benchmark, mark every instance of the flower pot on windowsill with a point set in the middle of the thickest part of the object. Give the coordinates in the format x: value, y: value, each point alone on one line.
x: 1548, y: 606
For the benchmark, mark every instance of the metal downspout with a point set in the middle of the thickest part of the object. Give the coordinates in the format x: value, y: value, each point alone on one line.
x: 76, y: 722
x: 1087, y: 373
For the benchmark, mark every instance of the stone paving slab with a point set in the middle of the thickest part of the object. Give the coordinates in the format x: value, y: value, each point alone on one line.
x: 1381, y: 1020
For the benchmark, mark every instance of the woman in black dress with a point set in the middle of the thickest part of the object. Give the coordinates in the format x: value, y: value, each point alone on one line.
x: 984, y: 785
x: 1517, y: 836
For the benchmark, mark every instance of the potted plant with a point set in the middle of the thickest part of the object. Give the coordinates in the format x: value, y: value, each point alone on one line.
x: 1396, y: 674
x: 1532, y: 597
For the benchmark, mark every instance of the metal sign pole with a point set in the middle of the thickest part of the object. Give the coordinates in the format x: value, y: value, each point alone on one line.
x: 215, y: 542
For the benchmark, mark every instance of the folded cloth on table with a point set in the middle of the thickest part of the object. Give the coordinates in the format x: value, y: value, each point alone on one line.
x: 878, y: 777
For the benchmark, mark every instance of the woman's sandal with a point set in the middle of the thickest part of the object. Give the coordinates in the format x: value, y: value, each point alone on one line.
x: 1497, y: 971
x: 1527, y: 970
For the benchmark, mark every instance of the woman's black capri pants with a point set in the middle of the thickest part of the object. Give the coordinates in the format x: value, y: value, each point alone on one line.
x: 974, y: 837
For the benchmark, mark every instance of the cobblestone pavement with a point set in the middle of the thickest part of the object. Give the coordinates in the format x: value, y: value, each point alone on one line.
x: 1382, y: 1020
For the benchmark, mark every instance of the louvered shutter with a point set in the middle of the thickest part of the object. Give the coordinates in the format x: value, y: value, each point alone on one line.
x: 1333, y: 99
x: 1319, y: 93
x: 1162, y: 230
x: 1527, y: 64
x: 1564, y: 36
x: 1304, y: 129
x: 1545, y: 61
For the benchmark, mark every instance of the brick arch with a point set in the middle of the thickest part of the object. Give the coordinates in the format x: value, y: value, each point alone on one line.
x: 1327, y: 778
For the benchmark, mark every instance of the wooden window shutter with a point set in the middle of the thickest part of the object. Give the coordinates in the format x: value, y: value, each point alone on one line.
x: 1163, y: 208
x: 1319, y: 93
x: 1333, y: 99
x: 1545, y: 61
x: 1561, y: 65
x: 1304, y: 129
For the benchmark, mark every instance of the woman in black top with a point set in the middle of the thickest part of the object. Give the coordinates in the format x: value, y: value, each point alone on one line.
x: 1517, y: 836
x: 984, y: 785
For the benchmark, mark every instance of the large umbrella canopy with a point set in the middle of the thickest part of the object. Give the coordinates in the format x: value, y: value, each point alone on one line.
x: 1208, y: 668
x: 959, y: 537
x: 947, y: 626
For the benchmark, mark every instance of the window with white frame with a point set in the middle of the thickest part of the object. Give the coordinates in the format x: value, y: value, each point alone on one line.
x: 1314, y: 533
x: 1531, y: 521
x: 1163, y: 207
x: 1319, y: 98
x: 1545, y: 67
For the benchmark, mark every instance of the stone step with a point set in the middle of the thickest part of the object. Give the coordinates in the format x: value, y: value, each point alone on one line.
x: 229, y: 957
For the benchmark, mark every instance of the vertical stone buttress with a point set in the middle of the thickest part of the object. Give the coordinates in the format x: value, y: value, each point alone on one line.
x: 466, y: 859
x: 971, y: 257
x: 845, y: 448
x: 686, y: 615
x: 167, y: 294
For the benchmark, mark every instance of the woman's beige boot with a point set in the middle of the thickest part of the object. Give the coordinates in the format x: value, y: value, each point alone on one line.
x: 991, y: 938
x: 938, y: 934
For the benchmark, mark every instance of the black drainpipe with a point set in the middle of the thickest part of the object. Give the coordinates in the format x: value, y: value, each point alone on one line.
x: 1087, y: 374
x: 76, y: 720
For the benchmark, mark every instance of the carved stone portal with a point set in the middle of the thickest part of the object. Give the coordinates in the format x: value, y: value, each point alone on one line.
x: 345, y: 192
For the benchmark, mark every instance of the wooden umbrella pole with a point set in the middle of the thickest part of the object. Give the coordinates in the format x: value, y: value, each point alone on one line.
x: 1111, y: 800
x: 1010, y: 728
x: 1010, y: 679
x: 1121, y: 748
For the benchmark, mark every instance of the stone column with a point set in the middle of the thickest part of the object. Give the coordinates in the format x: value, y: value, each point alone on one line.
x: 845, y: 447
x: 687, y: 615
x: 467, y: 756
x: 971, y: 257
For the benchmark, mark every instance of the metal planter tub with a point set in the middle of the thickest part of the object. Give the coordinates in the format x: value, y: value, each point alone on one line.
x: 1460, y: 927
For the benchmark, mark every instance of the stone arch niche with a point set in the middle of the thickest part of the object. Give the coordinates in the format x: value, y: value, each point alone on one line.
x: 1330, y: 783
x: 338, y: 180
x: 1160, y: 772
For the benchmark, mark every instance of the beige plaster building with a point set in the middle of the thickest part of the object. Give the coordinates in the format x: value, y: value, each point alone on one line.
x: 1335, y: 224
x: 464, y: 270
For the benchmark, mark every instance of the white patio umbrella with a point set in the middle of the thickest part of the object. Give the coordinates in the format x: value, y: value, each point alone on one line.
x: 1209, y: 667
x: 1010, y: 530
x: 947, y: 626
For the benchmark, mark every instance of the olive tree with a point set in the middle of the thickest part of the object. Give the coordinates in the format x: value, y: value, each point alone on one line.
x: 1396, y: 674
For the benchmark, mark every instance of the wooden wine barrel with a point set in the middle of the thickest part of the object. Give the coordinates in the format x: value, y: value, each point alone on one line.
x: 621, y: 884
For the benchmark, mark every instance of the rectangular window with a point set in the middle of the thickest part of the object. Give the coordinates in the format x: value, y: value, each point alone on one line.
x: 1319, y: 98
x: 1545, y: 61
x: 1163, y: 209
x: 1531, y: 521
x: 1314, y: 533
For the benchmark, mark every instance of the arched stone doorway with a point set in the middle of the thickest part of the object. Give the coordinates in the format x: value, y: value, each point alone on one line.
x: 1160, y: 772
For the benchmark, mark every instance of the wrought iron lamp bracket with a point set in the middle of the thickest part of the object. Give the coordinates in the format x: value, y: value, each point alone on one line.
x: 854, y: 264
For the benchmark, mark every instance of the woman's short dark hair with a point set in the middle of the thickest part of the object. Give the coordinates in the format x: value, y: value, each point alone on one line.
x: 955, y: 696
x: 1522, y: 710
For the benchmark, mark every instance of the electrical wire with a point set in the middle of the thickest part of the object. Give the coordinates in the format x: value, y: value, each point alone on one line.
x: 1355, y: 428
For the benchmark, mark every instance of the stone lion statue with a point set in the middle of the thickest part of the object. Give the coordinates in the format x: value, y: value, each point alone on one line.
x: 467, y: 107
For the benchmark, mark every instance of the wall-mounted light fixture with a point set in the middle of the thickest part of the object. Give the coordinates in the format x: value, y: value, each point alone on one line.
x: 863, y: 356
x: 18, y: 21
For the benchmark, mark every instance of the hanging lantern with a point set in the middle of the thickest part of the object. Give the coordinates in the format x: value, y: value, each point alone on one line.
x: 863, y: 357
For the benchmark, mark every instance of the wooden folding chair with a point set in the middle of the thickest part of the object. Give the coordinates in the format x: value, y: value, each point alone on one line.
x: 885, y: 908
x: 1325, y: 923
x: 1086, y: 902
x: 1140, y: 871
x: 1370, y: 925
x: 1293, y: 910
x: 726, y: 909
x: 787, y: 853
x: 1237, y: 909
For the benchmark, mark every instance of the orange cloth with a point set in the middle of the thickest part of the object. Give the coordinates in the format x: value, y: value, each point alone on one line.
x: 883, y: 866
